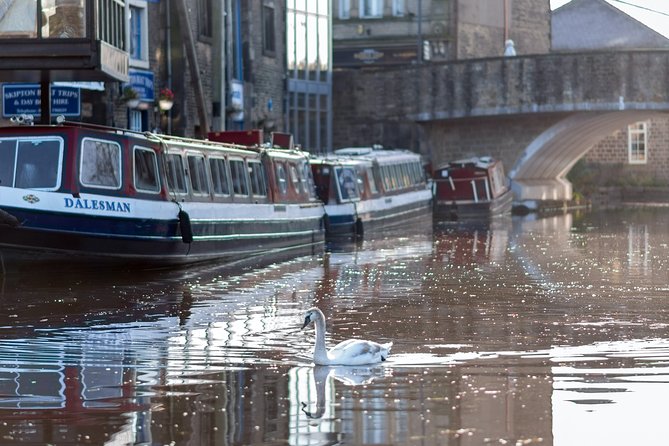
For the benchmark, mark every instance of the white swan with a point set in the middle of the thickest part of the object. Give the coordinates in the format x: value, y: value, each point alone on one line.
x: 349, y: 352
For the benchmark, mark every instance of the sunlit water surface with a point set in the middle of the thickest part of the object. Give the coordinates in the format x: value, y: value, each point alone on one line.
x: 548, y: 331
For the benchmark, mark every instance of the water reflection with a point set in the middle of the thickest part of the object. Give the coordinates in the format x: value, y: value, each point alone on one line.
x: 547, y: 331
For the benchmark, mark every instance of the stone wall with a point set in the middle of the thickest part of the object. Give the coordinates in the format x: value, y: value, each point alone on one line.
x: 481, y: 27
x: 612, y: 151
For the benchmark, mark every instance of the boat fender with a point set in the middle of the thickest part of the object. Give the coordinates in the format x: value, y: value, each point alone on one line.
x: 8, y: 219
x: 359, y: 228
x: 185, y: 226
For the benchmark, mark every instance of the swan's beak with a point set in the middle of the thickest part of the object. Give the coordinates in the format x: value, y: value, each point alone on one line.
x: 306, y: 322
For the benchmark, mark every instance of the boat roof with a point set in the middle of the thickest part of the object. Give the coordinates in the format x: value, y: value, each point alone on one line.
x: 481, y: 162
x: 157, y: 138
x: 376, y: 153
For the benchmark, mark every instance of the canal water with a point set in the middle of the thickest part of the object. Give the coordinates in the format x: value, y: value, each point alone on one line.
x: 550, y: 331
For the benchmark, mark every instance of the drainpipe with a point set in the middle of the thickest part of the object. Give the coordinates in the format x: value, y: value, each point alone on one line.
x: 168, y: 57
x: 218, y: 111
x: 506, y: 20
x: 189, y: 44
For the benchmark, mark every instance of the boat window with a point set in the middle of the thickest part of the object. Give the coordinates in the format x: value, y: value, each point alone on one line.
x: 370, y: 180
x: 308, y: 180
x: 281, y: 178
x: 406, y: 176
x: 176, y: 178
x: 258, y: 184
x: 219, y: 176
x: 30, y: 163
x: 294, y: 178
x: 100, y: 164
x: 240, y: 182
x: 198, y: 174
x: 146, y: 170
x: 384, y: 177
x: 346, y: 179
x: 7, y: 158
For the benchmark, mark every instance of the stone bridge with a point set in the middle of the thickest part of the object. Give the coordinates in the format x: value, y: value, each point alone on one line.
x: 538, y: 113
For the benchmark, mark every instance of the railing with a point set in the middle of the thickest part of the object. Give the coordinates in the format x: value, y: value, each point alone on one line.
x: 110, y: 22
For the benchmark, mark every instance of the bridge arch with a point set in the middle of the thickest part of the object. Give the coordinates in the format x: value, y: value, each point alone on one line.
x: 540, y: 171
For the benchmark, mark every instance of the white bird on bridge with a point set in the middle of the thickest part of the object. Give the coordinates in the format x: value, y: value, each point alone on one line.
x: 349, y: 352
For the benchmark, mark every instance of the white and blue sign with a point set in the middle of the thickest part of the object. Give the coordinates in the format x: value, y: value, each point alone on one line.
x: 18, y: 99
x: 142, y: 82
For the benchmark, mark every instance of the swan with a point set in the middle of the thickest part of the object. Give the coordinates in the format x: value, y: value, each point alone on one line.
x: 349, y: 352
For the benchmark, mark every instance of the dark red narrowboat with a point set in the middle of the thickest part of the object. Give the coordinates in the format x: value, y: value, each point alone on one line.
x: 471, y: 189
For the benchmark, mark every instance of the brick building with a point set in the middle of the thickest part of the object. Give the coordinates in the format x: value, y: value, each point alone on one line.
x: 226, y: 61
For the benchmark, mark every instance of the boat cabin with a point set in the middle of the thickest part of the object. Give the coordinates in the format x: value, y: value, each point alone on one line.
x: 355, y: 174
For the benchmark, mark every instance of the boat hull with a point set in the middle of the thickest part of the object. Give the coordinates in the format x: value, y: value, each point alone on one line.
x: 31, y: 236
x: 465, y: 210
x: 360, y: 217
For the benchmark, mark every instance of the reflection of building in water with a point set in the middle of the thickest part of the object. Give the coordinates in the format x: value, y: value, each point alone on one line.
x: 638, y: 249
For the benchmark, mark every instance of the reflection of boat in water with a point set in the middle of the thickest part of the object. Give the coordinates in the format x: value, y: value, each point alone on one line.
x: 471, y: 189
x: 84, y: 194
x: 365, y: 189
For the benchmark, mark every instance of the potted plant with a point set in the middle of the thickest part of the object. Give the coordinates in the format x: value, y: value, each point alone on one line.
x: 130, y: 96
x: 165, y: 99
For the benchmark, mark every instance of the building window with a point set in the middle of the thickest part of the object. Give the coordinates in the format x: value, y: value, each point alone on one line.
x: 268, y: 37
x: 637, y: 137
x: 398, y: 8
x: 344, y: 9
x: 371, y: 8
x: 138, y: 39
x: 204, y: 19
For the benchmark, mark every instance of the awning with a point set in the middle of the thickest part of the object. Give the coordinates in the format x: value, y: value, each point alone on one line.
x: 97, y: 86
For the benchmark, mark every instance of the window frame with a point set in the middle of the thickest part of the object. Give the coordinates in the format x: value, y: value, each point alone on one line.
x: 17, y: 142
x: 268, y: 35
x: 227, y: 178
x: 142, y: 7
x: 135, y: 149
x: 205, y: 24
x: 344, y: 7
x: 168, y: 157
x: 632, y: 141
x: 375, y: 9
x: 399, y: 8
x: 244, y: 169
x: 81, y: 163
x: 196, y: 176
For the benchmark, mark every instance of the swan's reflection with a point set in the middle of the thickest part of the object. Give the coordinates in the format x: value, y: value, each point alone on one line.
x: 322, y: 379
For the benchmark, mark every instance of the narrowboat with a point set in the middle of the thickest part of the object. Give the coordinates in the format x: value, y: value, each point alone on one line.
x: 471, y: 189
x: 369, y: 188
x: 89, y: 194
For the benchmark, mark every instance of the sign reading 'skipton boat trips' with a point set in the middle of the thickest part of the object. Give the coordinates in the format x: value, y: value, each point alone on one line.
x: 24, y: 99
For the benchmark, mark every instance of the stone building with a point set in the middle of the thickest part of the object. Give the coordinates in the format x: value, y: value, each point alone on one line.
x: 639, y: 154
x: 398, y: 34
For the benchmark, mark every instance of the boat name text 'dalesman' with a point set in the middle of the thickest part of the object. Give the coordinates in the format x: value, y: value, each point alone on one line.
x: 97, y: 205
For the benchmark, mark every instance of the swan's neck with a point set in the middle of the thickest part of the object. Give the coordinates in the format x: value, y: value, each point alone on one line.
x: 320, y: 351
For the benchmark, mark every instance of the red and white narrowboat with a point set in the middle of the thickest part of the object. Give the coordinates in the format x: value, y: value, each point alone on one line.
x: 91, y: 194
x: 366, y: 188
x: 471, y: 189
